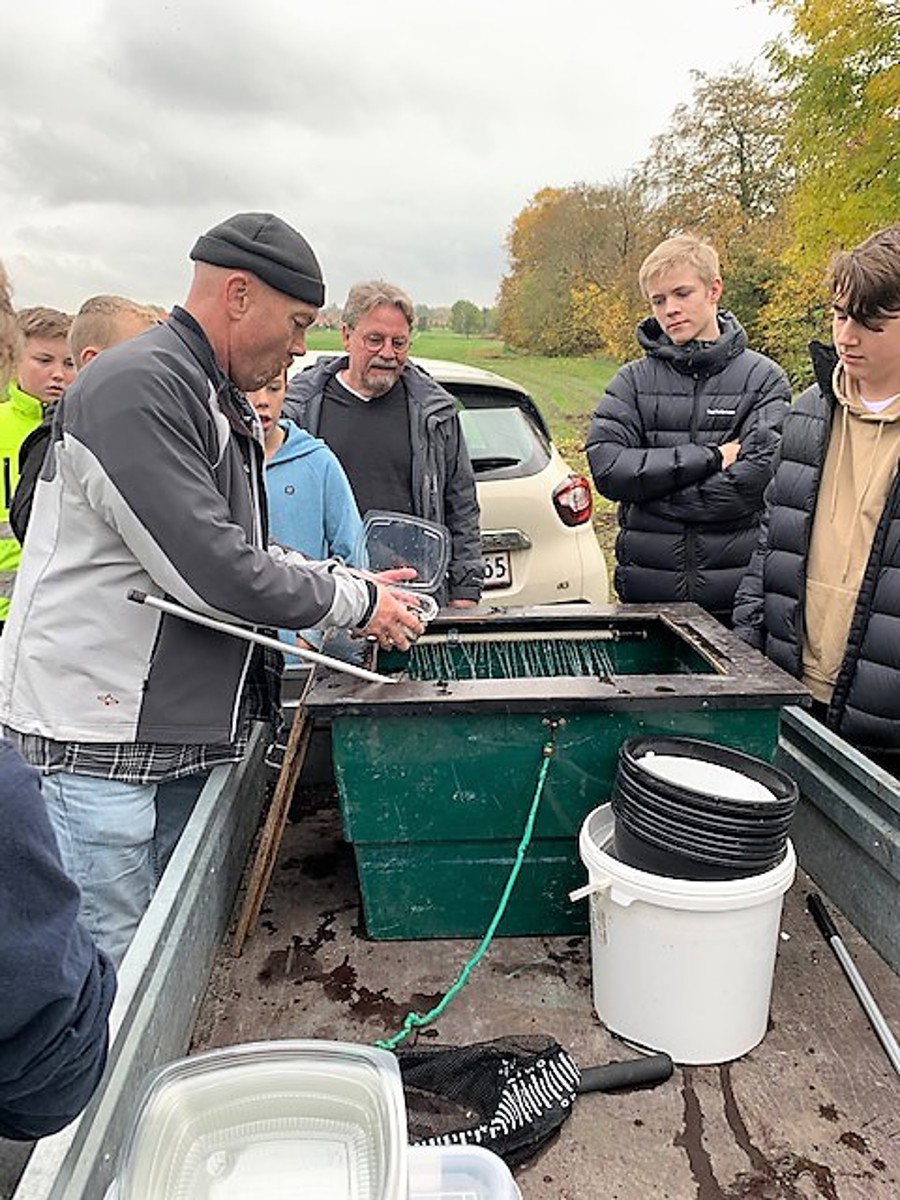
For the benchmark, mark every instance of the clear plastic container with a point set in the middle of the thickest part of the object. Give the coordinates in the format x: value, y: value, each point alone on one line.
x: 292, y: 1119
x: 389, y: 539
x: 459, y: 1173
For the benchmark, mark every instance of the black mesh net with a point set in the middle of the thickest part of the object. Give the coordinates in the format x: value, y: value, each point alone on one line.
x: 510, y: 1095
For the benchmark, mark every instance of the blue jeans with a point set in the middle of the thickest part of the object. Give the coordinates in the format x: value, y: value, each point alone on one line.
x: 175, y: 800
x: 105, y: 833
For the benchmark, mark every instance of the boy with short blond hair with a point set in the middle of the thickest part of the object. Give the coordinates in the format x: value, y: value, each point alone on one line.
x: 104, y: 321
x: 43, y: 372
x: 101, y: 322
x: 685, y: 250
x: 684, y: 438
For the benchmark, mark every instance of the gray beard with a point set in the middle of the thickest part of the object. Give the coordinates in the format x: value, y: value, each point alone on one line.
x: 378, y: 383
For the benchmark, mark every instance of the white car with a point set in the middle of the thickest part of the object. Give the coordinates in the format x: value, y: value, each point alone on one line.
x: 537, y: 538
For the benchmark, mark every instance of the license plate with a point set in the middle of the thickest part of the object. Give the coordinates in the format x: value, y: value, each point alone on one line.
x: 497, y: 571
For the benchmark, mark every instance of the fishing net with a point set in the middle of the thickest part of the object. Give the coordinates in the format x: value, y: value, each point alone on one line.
x: 510, y: 1095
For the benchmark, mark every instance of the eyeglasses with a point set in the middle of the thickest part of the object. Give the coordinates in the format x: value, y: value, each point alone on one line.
x: 374, y: 341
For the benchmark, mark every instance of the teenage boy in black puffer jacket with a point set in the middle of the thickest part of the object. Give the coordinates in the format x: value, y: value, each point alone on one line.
x: 822, y: 595
x: 684, y: 438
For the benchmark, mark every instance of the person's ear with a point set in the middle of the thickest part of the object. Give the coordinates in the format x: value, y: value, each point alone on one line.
x: 345, y: 335
x: 715, y: 290
x: 86, y: 355
x: 237, y: 295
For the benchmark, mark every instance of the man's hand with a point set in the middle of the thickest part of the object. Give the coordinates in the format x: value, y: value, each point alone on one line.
x: 729, y: 452
x: 394, y: 622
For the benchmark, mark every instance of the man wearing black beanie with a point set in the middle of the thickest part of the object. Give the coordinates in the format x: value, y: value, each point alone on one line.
x: 154, y: 481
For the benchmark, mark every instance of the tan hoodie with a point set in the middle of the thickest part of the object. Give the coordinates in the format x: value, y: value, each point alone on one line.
x: 860, y: 465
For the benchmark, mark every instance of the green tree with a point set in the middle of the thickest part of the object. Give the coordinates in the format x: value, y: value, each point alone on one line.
x: 466, y: 318
x: 721, y: 160
x: 842, y: 68
x: 720, y: 170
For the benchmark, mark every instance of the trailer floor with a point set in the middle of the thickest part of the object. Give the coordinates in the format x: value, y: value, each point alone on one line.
x: 814, y: 1111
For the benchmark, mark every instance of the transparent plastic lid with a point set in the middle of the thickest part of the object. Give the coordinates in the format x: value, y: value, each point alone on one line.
x: 291, y: 1119
x: 391, y: 539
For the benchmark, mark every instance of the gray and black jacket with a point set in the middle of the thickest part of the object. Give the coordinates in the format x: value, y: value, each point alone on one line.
x: 153, y: 480
x: 443, y: 482
x: 687, y: 528
x: 768, y: 612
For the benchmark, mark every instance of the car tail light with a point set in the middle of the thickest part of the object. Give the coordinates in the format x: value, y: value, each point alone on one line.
x: 573, y: 500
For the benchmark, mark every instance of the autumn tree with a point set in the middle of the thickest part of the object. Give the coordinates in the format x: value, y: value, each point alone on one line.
x: 720, y: 171
x: 564, y: 247
x: 842, y: 69
x: 720, y: 163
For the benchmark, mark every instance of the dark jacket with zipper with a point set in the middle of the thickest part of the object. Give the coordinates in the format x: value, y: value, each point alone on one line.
x: 443, y: 483
x: 57, y: 987
x: 687, y: 527
x: 768, y: 613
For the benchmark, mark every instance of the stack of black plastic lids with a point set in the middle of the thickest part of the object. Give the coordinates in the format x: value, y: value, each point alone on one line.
x: 690, y: 809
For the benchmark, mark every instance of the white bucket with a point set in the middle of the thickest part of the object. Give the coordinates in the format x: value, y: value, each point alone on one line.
x: 681, y: 965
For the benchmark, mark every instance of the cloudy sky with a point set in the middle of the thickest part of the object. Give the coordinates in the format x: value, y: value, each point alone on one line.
x: 401, y: 138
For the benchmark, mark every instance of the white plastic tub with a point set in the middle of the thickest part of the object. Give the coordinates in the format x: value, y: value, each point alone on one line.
x: 459, y: 1173
x: 281, y: 1119
x: 683, y: 966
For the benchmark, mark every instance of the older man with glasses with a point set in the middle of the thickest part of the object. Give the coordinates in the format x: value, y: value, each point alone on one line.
x: 395, y: 431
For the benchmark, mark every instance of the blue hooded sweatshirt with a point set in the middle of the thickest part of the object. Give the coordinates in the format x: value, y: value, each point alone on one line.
x: 311, y: 503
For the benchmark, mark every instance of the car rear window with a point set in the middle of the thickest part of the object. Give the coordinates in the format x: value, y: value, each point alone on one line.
x: 502, y: 442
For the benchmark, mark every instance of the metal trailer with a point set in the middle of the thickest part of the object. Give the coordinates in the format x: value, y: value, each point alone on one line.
x: 812, y: 1111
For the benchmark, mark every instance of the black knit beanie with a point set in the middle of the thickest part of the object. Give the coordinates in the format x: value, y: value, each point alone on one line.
x: 269, y: 248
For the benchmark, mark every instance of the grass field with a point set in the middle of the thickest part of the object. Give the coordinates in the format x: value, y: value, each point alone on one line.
x: 564, y: 389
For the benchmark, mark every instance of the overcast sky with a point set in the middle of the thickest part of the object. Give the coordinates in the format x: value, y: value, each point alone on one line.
x: 401, y: 138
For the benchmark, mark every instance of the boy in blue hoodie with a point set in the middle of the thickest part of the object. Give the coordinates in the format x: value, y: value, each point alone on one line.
x: 311, y: 504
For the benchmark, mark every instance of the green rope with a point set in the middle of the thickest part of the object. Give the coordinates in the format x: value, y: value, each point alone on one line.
x: 416, y: 1020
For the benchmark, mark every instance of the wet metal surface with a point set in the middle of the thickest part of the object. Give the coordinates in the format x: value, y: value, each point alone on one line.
x: 813, y: 1112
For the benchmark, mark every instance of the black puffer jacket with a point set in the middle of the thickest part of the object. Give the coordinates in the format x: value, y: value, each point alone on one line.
x: 687, y: 528
x: 768, y: 613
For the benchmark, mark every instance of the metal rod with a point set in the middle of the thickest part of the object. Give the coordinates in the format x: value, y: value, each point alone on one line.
x: 461, y: 637
x: 829, y: 931
x: 250, y: 635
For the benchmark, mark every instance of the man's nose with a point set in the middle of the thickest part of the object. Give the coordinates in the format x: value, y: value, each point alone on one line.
x: 298, y: 345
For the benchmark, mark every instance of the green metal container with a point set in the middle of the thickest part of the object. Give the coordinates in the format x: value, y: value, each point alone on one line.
x: 436, y: 776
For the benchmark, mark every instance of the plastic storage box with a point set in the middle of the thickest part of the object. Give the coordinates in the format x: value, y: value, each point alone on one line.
x: 273, y: 1119
x: 459, y: 1173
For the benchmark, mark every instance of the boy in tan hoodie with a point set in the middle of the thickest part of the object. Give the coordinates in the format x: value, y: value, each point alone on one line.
x: 822, y: 594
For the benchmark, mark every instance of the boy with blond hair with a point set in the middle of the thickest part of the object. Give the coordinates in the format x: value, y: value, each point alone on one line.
x: 101, y: 322
x: 43, y: 371
x: 684, y: 438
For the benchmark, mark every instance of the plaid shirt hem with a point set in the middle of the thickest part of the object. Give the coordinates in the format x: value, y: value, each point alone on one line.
x: 129, y: 762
